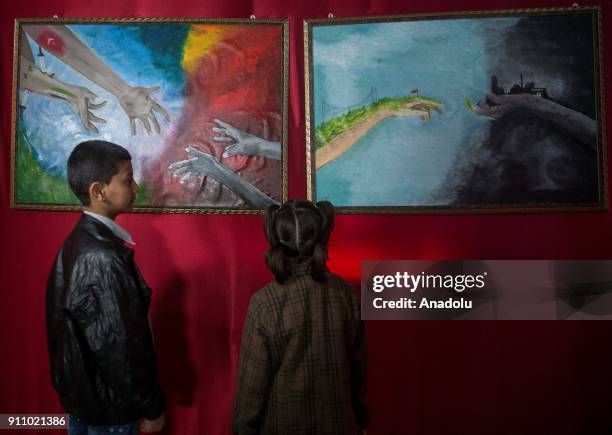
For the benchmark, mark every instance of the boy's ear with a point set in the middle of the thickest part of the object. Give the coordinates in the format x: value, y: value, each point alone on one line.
x: 96, y: 192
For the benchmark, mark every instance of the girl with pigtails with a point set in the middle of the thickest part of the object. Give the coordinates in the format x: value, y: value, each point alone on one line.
x: 303, y: 357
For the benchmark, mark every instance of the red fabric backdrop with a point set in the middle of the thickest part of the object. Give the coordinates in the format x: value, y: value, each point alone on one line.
x: 424, y: 377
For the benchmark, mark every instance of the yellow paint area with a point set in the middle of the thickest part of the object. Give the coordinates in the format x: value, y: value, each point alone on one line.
x: 201, y: 39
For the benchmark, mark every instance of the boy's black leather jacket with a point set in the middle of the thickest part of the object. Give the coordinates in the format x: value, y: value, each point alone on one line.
x: 100, y: 344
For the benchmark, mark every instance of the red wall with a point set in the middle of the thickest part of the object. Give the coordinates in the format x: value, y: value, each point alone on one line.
x: 425, y: 377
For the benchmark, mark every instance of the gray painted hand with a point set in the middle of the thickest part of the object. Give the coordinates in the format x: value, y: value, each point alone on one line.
x: 245, y: 143
x: 496, y: 106
x: 577, y: 124
x: 202, y: 164
x: 138, y: 104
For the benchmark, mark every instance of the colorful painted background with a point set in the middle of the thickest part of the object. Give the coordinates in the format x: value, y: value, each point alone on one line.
x: 230, y: 72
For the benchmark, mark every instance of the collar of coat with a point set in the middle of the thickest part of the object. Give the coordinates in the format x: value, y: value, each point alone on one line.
x: 102, y: 233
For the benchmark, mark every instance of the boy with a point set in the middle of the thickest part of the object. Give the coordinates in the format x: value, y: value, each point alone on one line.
x: 101, y: 350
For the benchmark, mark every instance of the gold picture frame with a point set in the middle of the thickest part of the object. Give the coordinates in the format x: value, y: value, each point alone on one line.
x: 329, y: 77
x: 257, y: 116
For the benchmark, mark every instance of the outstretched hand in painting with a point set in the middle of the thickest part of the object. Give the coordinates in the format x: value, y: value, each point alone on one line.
x: 245, y: 144
x: 60, y: 41
x: 580, y: 126
x: 205, y: 165
x: 138, y: 104
x: 80, y: 99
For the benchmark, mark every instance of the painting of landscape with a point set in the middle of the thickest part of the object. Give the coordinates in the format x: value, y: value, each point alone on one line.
x: 470, y: 112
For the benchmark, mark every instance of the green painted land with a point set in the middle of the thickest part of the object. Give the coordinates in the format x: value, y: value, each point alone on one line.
x: 338, y: 125
x: 34, y: 185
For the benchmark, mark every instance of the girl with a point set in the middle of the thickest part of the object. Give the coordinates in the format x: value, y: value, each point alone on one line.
x: 303, y: 356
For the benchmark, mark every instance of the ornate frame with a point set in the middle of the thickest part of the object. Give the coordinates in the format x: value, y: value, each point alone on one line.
x: 154, y: 209
x: 602, y: 205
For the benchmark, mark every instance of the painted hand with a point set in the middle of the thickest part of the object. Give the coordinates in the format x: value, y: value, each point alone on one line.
x: 82, y: 102
x: 496, y: 106
x: 579, y: 125
x: 202, y: 164
x: 245, y: 143
x: 138, y: 104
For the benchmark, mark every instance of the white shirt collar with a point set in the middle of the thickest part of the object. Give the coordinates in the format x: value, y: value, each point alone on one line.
x: 117, y: 229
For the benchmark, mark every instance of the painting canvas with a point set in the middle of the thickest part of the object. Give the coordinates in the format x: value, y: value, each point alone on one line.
x: 201, y: 105
x: 481, y: 111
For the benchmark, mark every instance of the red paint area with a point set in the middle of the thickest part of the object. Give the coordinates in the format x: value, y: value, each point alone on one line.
x: 51, y: 41
x: 239, y: 82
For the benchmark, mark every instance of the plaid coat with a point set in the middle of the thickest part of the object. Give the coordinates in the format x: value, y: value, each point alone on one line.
x: 303, y: 360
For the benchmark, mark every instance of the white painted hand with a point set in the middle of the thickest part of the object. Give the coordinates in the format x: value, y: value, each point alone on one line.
x: 80, y: 99
x: 82, y: 102
x: 138, y: 104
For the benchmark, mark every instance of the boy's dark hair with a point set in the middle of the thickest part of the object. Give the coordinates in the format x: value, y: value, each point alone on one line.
x: 298, y: 229
x: 93, y: 160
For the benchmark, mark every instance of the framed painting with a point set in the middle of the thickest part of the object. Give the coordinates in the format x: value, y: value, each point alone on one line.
x: 201, y: 105
x: 496, y: 111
